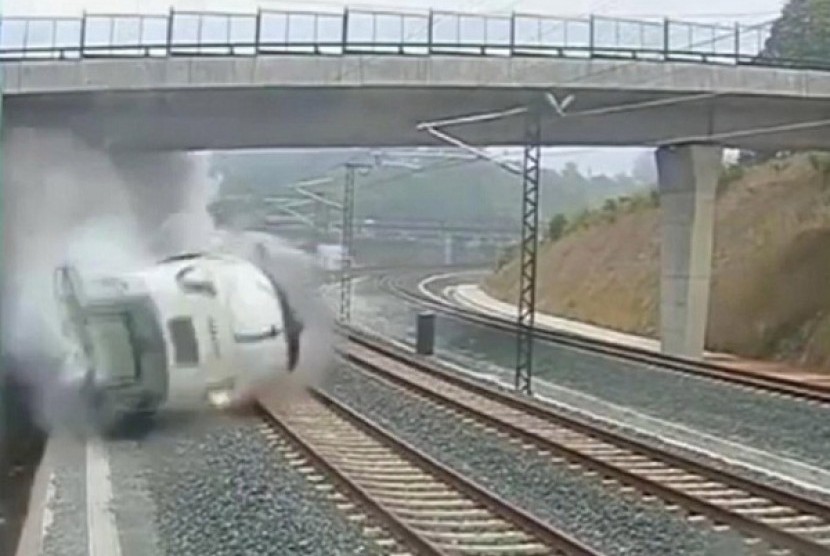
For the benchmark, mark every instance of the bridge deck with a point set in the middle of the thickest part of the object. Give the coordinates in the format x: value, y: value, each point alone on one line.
x: 365, y: 101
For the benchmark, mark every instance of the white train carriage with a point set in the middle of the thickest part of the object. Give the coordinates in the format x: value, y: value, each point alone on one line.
x: 203, y: 327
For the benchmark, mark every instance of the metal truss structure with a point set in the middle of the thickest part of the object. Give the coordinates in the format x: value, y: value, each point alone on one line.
x: 346, y: 243
x: 528, y: 252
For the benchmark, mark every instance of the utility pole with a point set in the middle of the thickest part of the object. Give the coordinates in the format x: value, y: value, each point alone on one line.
x: 347, y: 239
x: 530, y: 173
x: 526, y: 317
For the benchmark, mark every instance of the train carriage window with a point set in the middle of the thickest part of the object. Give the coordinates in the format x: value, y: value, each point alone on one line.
x: 194, y: 279
x: 113, y: 353
x: 185, y: 345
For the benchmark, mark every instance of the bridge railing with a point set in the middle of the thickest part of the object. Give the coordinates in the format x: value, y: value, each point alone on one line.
x: 182, y: 33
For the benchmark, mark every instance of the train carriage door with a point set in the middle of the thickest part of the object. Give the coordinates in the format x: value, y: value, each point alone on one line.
x: 194, y: 330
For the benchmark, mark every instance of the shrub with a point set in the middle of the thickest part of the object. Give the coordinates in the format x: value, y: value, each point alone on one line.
x: 506, y: 255
x: 821, y: 164
x: 581, y: 220
x: 654, y: 197
x: 728, y: 176
x: 557, y: 226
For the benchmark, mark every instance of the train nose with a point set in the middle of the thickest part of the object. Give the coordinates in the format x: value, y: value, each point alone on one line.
x: 293, y: 331
x: 293, y: 326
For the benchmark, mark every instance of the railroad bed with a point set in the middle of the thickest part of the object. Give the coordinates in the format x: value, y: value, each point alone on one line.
x: 773, y: 433
x: 191, y: 485
x: 769, y: 519
x: 407, y: 501
x: 302, y: 475
x: 314, y: 475
x: 815, y: 391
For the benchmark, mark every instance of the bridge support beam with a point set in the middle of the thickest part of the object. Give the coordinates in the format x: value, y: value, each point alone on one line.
x: 4, y: 394
x: 688, y: 176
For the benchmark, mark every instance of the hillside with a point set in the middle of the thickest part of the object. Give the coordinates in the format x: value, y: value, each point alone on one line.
x: 770, y: 295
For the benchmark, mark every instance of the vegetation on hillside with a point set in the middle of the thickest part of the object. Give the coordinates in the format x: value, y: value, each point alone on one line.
x: 801, y: 33
x: 771, y: 264
x: 444, y: 190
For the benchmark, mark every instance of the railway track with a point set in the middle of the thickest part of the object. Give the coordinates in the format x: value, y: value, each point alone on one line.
x: 774, y: 520
x: 813, y: 391
x: 416, y: 505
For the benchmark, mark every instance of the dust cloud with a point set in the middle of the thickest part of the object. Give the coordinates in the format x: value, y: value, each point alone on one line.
x: 65, y: 202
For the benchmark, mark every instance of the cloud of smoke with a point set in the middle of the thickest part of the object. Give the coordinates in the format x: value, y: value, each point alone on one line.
x: 110, y: 213
x: 62, y: 202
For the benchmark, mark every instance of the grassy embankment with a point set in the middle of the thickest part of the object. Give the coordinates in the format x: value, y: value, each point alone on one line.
x: 771, y: 281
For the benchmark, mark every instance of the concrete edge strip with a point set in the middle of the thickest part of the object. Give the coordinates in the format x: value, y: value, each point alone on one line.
x: 100, y: 514
x: 39, y: 514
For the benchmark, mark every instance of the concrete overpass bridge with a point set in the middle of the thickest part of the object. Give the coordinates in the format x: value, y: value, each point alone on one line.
x: 185, y: 81
x: 193, y: 81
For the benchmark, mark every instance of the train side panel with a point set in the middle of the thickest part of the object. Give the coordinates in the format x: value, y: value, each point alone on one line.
x: 222, y: 323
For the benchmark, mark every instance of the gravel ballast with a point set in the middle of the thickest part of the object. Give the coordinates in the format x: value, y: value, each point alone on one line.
x: 218, y: 488
x: 776, y: 424
x: 615, y: 523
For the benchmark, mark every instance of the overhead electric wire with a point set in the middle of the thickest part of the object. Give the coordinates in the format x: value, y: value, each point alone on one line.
x: 453, y: 163
x: 732, y: 134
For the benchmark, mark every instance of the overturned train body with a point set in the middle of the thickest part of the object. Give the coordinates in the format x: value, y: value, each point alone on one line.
x: 204, y: 328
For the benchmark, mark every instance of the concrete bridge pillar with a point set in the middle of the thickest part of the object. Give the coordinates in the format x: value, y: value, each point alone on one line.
x: 688, y: 176
x: 4, y: 395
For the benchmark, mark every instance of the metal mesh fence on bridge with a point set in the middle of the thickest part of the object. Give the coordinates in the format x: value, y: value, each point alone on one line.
x: 384, y: 32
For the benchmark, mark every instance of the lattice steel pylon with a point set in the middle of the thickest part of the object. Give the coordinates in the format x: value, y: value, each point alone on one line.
x: 346, y: 241
x: 529, y: 246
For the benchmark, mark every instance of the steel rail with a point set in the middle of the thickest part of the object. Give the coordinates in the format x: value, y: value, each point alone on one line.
x: 405, y: 533
x: 560, y: 543
x: 798, y: 389
x: 521, y: 405
x: 493, y: 502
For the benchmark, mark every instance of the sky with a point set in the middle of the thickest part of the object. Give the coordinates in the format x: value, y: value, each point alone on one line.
x: 599, y: 160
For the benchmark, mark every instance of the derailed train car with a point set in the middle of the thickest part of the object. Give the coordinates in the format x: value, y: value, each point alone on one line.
x: 196, y: 327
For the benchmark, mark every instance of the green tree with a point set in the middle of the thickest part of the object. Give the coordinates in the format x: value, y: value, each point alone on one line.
x: 556, y: 227
x: 801, y: 33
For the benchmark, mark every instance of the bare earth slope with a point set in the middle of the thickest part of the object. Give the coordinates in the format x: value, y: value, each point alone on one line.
x: 771, y: 283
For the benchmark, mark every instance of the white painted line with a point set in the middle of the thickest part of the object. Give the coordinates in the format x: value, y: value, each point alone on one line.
x: 48, y: 516
x: 422, y: 285
x: 41, y: 498
x: 473, y: 296
x: 101, y: 526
